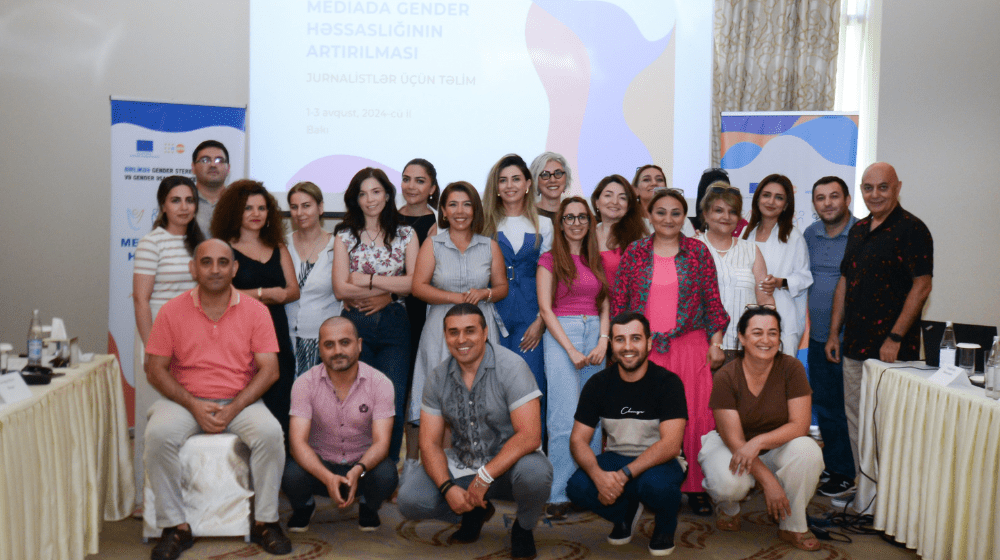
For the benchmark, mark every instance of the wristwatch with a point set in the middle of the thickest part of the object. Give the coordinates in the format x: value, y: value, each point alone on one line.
x: 784, y: 283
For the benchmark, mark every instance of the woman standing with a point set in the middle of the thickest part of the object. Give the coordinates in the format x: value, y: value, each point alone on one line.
x: 512, y: 220
x: 573, y: 299
x: 649, y: 179
x: 421, y: 191
x: 373, y: 263
x: 670, y: 278
x: 740, y: 266
x: 552, y: 177
x: 161, y: 273
x: 247, y: 217
x: 311, y: 249
x: 456, y: 265
x: 762, y: 405
x: 785, y: 253
x: 619, y: 220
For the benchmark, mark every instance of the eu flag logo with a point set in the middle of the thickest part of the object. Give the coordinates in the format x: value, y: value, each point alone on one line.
x: 144, y: 145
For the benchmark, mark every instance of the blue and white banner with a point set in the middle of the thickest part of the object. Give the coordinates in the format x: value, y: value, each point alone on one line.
x: 803, y: 146
x: 150, y: 141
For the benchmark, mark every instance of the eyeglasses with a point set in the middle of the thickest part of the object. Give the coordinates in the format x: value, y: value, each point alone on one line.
x: 576, y: 219
x: 725, y: 189
x: 216, y: 159
x: 755, y: 307
x: 558, y: 174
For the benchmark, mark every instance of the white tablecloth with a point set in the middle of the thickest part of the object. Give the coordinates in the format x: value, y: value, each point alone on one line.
x: 65, y: 464
x: 935, y: 454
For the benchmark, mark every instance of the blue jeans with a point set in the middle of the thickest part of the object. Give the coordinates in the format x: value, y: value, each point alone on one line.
x: 533, y: 358
x: 375, y: 487
x: 658, y: 488
x: 827, y: 381
x: 385, y: 345
x: 565, y: 383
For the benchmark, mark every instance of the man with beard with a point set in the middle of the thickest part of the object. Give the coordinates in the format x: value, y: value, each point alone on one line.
x: 642, y: 409
x: 210, y: 165
x: 827, y: 240
x: 341, y: 422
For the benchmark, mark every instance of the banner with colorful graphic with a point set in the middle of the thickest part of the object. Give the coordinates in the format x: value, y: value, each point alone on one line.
x: 150, y: 141
x: 804, y: 146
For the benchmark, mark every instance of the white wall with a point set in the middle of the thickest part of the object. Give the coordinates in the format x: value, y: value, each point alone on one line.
x: 59, y: 62
x: 939, y: 118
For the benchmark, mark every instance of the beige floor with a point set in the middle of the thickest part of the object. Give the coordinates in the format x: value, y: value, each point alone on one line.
x: 334, y: 534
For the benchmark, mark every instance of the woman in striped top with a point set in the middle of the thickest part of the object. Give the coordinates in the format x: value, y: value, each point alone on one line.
x: 161, y: 273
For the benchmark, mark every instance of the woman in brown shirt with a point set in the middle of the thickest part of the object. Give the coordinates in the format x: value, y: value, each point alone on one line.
x: 762, y: 405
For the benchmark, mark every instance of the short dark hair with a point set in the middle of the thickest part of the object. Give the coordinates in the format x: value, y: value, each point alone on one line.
x: 833, y: 179
x: 478, y: 218
x: 626, y: 317
x: 741, y: 326
x: 465, y: 308
x: 432, y: 200
x: 209, y: 144
x: 664, y: 193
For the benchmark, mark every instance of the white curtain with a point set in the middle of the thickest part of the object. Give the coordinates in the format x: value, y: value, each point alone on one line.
x: 774, y: 55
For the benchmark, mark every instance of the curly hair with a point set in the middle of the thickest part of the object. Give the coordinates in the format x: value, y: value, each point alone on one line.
x: 785, y: 218
x: 354, y: 218
x: 227, y: 220
x: 193, y: 234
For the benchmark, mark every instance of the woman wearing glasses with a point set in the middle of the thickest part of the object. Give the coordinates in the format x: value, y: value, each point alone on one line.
x: 762, y: 405
x: 619, y: 221
x: 784, y: 249
x: 740, y: 266
x: 670, y: 278
x: 512, y: 221
x: 373, y: 264
x: 552, y: 178
x: 573, y: 301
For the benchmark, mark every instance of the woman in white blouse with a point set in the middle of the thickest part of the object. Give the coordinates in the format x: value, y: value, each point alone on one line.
x: 784, y: 249
x: 312, y: 257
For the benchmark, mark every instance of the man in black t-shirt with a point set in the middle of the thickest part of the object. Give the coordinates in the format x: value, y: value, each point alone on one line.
x: 642, y: 409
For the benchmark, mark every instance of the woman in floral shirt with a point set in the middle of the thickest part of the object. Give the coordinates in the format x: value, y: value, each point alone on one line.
x: 671, y: 279
x: 373, y: 263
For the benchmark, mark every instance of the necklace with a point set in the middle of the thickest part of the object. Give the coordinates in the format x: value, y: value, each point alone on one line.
x: 724, y: 251
x: 372, y: 237
x: 312, y: 250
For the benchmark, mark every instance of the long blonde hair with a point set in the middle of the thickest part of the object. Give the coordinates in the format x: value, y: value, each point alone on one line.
x: 492, y: 205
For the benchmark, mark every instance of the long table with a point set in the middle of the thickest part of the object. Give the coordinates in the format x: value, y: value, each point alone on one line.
x: 934, y: 455
x: 65, y: 464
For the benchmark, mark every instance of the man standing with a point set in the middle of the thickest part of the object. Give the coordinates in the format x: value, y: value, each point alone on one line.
x: 642, y: 409
x: 885, y: 279
x: 489, y: 397
x: 212, y: 354
x: 210, y: 165
x: 341, y: 422
x: 827, y: 240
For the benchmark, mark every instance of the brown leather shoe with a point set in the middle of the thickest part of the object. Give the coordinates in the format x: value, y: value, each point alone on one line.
x: 172, y: 543
x: 801, y: 541
x: 270, y: 538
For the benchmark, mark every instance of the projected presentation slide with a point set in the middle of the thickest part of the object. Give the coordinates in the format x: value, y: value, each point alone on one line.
x: 338, y: 85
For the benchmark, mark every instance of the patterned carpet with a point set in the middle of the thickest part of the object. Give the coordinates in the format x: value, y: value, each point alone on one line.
x: 335, y: 534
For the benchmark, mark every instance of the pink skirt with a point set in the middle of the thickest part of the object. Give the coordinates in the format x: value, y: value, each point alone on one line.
x: 688, y: 359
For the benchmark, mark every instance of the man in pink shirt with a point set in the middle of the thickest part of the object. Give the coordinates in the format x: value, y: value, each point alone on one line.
x: 341, y: 423
x: 212, y: 354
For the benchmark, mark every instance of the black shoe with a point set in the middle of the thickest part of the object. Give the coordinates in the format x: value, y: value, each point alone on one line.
x: 558, y: 511
x: 299, y: 521
x: 522, y: 542
x: 621, y: 533
x: 661, y: 544
x: 472, y: 524
x: 368, y: 518
x: 172, y: 543
x: 824, y: 476
x: 838, y: 486
x: 270, y: 537
x: 700, y: 503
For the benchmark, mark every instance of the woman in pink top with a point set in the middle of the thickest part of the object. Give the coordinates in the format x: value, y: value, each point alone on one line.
x: 671, y: 279
x: 619, y: 220
x: 573, y: 302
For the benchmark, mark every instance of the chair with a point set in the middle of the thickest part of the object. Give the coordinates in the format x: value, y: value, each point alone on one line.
x: 215, y: 486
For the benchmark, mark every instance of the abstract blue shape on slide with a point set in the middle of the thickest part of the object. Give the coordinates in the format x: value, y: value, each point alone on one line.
x: 740, y: 155
x: 834, y: 137
x: 759, y: 124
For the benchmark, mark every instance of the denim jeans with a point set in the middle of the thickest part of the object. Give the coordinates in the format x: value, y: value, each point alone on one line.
x: 565, y: 383
x: 827, y: 381
x: 375, y: 487
x: 385, y: 345
x: 658, y: 488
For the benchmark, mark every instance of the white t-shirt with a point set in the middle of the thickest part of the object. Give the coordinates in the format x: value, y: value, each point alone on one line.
x: 162, y: 255
x: 515, y: 227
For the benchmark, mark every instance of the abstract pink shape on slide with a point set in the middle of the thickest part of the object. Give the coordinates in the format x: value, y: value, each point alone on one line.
x: 563, y: 67
x: 333, y: 173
